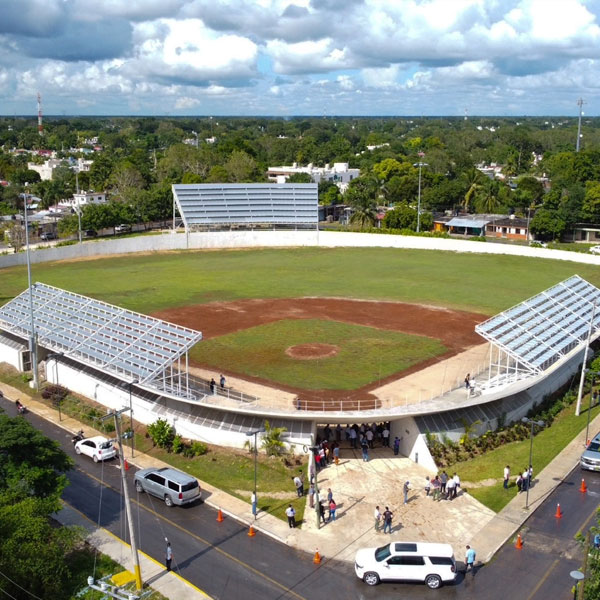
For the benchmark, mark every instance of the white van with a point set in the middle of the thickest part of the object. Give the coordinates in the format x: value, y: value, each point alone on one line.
x: 407, y: 561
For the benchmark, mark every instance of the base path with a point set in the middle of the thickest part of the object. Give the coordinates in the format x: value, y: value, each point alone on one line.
x: 455, y: 329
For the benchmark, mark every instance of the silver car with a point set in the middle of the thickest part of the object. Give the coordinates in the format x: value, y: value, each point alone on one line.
x: 590, y: 459
x: 170, y: 485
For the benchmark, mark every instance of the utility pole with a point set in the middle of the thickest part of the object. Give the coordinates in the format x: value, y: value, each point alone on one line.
x: 580, y: 103
x: 32, y: 335
x: 585, y: 357
x: 134, y: 552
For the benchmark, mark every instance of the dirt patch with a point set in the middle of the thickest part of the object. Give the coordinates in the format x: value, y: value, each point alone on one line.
x: 455, y: 328
x: 312, y: 351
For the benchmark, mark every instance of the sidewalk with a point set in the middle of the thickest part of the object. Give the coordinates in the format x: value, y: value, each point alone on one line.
x: 358, y: 486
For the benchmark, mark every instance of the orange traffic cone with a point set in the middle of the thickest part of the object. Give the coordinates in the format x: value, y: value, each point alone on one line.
x: 126, y: 464
x: 583, y: 488
x: 558, y: 513
x: 251, y: 532
x: 519, y: 543
x: 220, y: 518
x: 317, y: 558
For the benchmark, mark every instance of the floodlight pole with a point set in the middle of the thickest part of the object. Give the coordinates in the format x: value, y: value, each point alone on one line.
x: 585, y: 357
x: 134, y: 551
x: 420, y: 164
x: 32, y: 341
x: 580, y: 103
x: 255, y: 433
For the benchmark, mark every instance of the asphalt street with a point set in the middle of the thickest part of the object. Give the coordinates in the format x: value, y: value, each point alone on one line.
x: 222, y: 560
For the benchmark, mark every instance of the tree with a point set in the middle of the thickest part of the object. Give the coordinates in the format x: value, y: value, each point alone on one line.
x: 14, y: 235
x: 241, y: 167
x: 591, y: 203
x: 401, y: 216
x: 364, y: 216
x: 547, y: 224
x: 300, y: 178
x: 32, y: 549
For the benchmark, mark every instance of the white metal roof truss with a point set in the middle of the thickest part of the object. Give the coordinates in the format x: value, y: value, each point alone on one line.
x: 545, y: 328
x: 115, y: 340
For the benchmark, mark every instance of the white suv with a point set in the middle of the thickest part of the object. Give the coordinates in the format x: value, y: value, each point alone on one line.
x: 407, y: 561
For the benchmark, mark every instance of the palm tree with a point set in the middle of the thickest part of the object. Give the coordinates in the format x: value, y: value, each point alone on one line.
x: 472, y: 179
x: 364, y: 216
x: 487, y: 196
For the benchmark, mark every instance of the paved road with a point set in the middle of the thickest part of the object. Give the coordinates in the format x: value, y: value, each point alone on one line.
x: 223, y: 561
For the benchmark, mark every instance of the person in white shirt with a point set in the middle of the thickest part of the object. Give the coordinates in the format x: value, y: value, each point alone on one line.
x: 291, y: 516
x: 506, y: 476
x: 450, y: 488
x: 377, y: 515
x: 385, y: 434
x: 369, y: 435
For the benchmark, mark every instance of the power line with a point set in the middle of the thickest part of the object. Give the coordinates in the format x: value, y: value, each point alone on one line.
x: 21, y: 588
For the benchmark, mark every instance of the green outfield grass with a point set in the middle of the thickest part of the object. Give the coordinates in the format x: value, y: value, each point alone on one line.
x: 365, y: 354
x: 151, y: 282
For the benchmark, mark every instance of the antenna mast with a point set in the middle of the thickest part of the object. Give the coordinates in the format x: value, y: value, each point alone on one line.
x: 40, y: 125
x: 580, y: 103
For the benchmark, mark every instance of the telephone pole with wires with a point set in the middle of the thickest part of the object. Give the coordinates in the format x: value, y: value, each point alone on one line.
x: 580, y: 103
x: 134, y: 551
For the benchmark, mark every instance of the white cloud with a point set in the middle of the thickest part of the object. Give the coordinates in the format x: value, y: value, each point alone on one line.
x: 186, y: 102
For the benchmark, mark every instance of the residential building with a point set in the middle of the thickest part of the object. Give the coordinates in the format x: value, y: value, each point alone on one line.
x: 82, y: 199
x: 340, y: 173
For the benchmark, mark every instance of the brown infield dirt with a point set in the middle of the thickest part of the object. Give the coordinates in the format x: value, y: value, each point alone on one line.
x: 455, y: 329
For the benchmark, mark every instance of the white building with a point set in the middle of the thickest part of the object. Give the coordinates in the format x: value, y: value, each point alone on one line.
x: 340, y: 173
x: 46, y: 169
x: 82, y: 199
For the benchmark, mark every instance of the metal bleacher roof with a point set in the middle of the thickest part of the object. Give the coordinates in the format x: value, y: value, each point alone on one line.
x: 545, y: 328
x: 109, y: 338
x: 207, y: 204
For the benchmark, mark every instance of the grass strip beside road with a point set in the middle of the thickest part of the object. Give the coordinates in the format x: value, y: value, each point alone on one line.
x: 547, y: 444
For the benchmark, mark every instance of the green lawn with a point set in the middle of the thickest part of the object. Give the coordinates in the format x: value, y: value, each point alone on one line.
x: 365, y: 354
x: 151, y: 282
x: 546, y: 445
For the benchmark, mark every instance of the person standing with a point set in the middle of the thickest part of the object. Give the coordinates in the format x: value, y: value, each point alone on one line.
x: 443, y: 482
x: 336, y: 454
x: 529, y: 476
x: 468, y: 382
x: 329, y: 496
x: 406, y: 489
x: 290, y: 513
x: 311, y: 495
x: 456, y: 479
x: 253, y: 501
x: 168, y: 556
x: 385, y: 436
x: 396, y: 446
x: 427, y: 485
x: 332, y: 509
x: 388, y: 515
x: 222, y: 381
x: 353, y: 437
x: 299, y: 486
x: 369, y: 435
x: 213, y: 385
x: 469, y: 559
x: 364, y: 444
x: 450, y: 488
x: 506, y: 476
x: 436, y: 488
x: 322, y: 511
x: 377, y: 515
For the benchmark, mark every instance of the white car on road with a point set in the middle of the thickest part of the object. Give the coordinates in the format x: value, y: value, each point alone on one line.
x: 97, y: 448
x: 432, y: 564
x: 595, y: 249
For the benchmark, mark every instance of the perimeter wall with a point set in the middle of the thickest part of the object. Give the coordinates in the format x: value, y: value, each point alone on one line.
x: 280, y: 239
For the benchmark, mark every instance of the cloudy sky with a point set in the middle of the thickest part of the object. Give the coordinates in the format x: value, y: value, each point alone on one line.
x: 300, y: 57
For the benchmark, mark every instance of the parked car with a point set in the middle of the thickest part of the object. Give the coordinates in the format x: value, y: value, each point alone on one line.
x: 595, y: 249
x: 590, y: 459
x: 170, y: 485
x: 432, y: 564
x: 123, y: 228
x: 90, y: 233
x: 48, y: 235
x: 98, y: 448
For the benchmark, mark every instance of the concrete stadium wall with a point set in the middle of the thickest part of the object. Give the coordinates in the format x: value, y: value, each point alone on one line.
x: 281, y: 239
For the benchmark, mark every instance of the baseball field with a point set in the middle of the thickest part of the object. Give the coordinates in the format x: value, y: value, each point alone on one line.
x: 309, y: 318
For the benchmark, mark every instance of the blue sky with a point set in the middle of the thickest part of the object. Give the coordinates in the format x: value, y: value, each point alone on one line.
x: 307, y: 57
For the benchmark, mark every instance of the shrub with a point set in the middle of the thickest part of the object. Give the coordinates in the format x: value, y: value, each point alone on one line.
x: 178, y: 444
x: 198, y: 448
x: 55, y: 393
x: 162, y: 433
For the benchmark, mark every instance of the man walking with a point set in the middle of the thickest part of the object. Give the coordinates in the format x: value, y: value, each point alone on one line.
x: 168, y: 556
x: 443, y: 482
x: 385, y: 435
x: 387, y: 520
x: 377, y: 516
x: 290, y: 513
x: 506, y: 476
x: 406, y: 488
x: 450, y: 487
x: 469, y: 559
x: 222, y: 381
x: 311, y: 495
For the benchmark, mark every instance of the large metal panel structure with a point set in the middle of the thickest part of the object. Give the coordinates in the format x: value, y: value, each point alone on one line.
x: 206, y: 205
x: 119, y: 342
x: 530, y: 337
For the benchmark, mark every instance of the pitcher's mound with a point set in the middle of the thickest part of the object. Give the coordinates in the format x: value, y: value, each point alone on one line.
x: 312, y: 351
